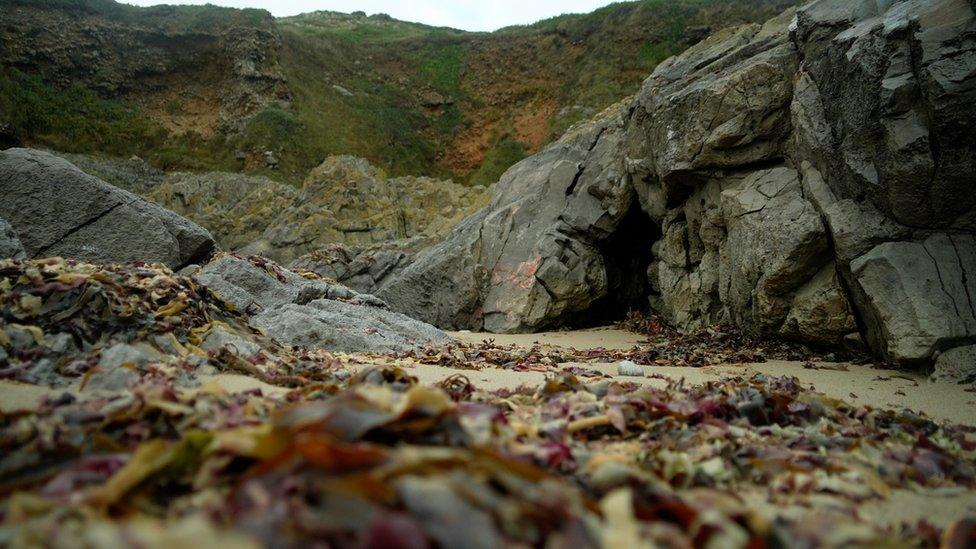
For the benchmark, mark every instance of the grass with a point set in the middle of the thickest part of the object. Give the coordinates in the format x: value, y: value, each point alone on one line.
x: 440, y: 67
x: 502, y: 156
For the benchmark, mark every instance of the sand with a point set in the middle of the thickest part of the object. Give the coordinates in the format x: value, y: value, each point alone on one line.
x: 856, y: 384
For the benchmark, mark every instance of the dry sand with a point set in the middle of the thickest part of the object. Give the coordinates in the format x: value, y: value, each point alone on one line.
x: 856, y: 384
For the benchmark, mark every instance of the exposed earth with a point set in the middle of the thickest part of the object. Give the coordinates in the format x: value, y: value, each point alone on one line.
x: 689, y: 274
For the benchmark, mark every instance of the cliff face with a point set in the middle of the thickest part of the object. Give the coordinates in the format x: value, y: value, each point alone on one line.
x: 204, y: 83
x: 205, y: 70
x: 809, y: 178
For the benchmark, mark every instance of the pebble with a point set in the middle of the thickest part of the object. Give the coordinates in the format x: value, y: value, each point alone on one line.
x: 631, y: 369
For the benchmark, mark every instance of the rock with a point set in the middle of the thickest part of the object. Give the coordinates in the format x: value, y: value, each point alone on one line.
x: 894, y: 87
x: 220, y: 338
x: 58, y: 210
x: 119, y: 367
x: 630, y: 369
x: 856, y: 227
x: 313, y: 313
x: 533, y: 257
x: 917, y: 297
x: 785, y: 176
x: 956, y: 365
x: 10, y: 246
x: 133, y: 174
x: 261, y: 284
x: 821, y: 313
x: 363, y: 269
x: 344, y: 201
x: 339, y: 326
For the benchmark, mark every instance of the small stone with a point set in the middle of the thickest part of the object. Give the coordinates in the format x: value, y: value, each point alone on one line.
x: 630, y: 369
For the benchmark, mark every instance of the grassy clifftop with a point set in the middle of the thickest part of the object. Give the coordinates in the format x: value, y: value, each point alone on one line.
x: 411, y: 98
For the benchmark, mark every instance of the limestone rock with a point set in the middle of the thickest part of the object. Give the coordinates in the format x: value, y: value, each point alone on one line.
x: 856, y: 227
x: 918, y: 297
x: 58, y: 210
x: 886, y: 104
x: 252, y: 287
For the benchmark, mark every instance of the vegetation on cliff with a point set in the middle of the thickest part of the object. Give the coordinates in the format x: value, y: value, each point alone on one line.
x: 413, y: 99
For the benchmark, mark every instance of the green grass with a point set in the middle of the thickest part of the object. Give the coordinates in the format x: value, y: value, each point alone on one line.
x: 73, y: 119
x: 77, y: 120
x: 440, y: 67
x: 502, y: 156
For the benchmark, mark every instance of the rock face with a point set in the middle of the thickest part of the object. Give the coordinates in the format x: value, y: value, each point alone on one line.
x: 58, y: 210
x: 312, y: 313
x: 220, y: 66
x: 346, y: 200
x: 364, y: 269
x: 809, y: 178
x: 919, y: 296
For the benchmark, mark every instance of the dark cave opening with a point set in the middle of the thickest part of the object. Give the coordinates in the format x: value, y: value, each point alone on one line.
x: 627, y: 255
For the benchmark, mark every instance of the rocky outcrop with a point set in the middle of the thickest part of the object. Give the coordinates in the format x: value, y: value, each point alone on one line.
x: 58, y: 210
x: 807, y: 178
x: 364, y: 269
x: 345, y: 201
x: 203, y: 70
x: 531, y: 259
x: 918, y: 297
x: 312, y: 312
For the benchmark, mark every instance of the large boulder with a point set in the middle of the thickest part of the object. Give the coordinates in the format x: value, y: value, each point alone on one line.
x: 310, y: 312
x: 58, y: 210
x: 919, y: 296
x: 532, y: 258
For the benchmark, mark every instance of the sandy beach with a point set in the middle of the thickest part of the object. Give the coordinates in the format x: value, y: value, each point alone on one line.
x: 857, y: 384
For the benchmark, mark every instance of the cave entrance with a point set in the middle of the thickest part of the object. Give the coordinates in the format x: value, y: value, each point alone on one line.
x: 627, y: 255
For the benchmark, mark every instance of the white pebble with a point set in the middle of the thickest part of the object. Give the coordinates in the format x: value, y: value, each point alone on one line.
x: 628, y: 368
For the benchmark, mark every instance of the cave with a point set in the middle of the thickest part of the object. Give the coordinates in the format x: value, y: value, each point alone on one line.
x: 627, y: 255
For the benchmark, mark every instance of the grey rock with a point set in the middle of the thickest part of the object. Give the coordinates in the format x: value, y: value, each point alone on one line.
x: 820, y: 312
x: 10, y: 246
x: 956, y: 365
x: 917, y: 297
x: 344, y: 327
x: 119, y: 367
x: 58, y: 210
x: 250, y: 287
x: 219, y: 339
x: 313, y: 313
x: 532, y: 258
x: 894, y: 87
x: 59, y: 344
x: 856, y: 227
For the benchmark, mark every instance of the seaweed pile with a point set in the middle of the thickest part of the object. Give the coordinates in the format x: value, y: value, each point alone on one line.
x: 372, y: 458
